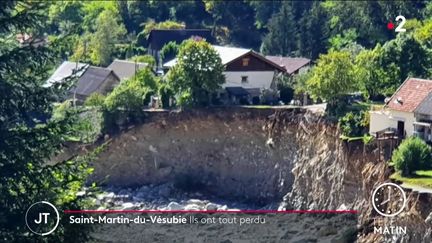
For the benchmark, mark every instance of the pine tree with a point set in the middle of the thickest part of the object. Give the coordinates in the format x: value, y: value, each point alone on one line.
x: 282, y: 37
x: 28, y: 136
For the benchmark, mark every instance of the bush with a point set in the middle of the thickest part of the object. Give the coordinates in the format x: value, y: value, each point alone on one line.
x: 286, y: 94
x: 133, y: 94
x: 412, y: 154
x: 354, y: 124
x: 95, y: 99
x: 338, y: 106
x: 149, y: 59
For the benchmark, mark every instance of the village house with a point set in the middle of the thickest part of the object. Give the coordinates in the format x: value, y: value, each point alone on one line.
x: 90, y: 79
x: 247, y: 73
x: 126, y: 69
x: 158, y: 38
x: 407, y: 113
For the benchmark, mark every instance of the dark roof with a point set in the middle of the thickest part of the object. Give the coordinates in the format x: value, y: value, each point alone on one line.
x: 158, y: 38
x: 237, y: 91
x: 125, y: 69
x: 91, y: 80
x: 291, y: 64
x: 410, y: 94
x: 262, y: 58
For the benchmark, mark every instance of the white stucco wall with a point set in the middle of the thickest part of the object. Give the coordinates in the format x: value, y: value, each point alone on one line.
x: 380, y: 120
x: 256, y: 79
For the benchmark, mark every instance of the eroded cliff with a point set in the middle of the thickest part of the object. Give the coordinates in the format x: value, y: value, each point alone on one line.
x: 264, y: 155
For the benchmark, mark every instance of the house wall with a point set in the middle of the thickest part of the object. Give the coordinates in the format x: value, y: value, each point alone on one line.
x: 256, y: 79
x: 380, y: 120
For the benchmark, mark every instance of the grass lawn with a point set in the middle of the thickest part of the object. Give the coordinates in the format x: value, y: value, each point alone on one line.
x: 421, y: 178
x: 365, y: 106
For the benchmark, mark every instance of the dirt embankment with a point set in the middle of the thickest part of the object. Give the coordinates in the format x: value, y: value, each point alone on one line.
x: 287, y: 155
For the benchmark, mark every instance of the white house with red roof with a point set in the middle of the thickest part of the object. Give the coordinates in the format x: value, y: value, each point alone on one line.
x: 408, y: 112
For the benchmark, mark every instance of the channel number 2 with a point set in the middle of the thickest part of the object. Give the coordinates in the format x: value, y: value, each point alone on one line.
x: 402, y: 20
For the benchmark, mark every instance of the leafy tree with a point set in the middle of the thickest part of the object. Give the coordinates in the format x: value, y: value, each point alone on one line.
x: 149, y: 59
x: 133, y: 94
x: 411, y: 155
x: 108, y: 33
x: 241, y: 27
x: 264, y: 10
x: 95, y: 99
x: 197, y: 74
x: 372, y: 78
x: 139, y: 12
x: 66, y: 16
x: 92, y: 11
x: 169, y: 50
x: 282, y: 36
x: 423, y: 34
x: 333, y: 76
x: 354, y: 124
x: 165, y: 25
x: 339, y: 41
x: 404, y: 57
x: 29, y: 135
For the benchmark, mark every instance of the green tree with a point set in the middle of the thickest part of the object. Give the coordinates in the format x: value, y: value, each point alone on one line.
x: 29, y: 136
x: 133, y: 94
x: 152, y: 25
x: 404, y: 57
x: 149, y: 59
x: 197, y: 74
x: 95, y: 99
x: 242, y: 30
x: 169, y: 50
x: 108, y: 33
x: 333, y: 76
x: 371, y: 77
x: 313, y: 31
x: 282, y: 36
x: 411, y: 155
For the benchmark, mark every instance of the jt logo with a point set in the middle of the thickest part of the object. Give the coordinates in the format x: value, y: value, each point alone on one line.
x: 45, y: 216
x: 42, y: 218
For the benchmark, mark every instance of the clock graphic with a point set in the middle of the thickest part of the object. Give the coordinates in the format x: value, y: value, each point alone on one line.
x: 389, y: 199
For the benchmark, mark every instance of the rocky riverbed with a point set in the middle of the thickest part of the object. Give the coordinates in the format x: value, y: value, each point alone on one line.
x: 166, y: 197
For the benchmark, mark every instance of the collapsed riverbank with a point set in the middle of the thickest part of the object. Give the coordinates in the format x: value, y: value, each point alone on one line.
x: 291, y: 157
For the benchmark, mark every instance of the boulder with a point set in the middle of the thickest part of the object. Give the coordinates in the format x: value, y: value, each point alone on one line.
x: 174, y: 206
x: 128, y: 206
x: 193, y: 207
x: 212, y: 206
x: 428, y: 220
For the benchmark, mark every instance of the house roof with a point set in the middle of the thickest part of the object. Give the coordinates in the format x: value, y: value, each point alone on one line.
x: 125, y: 69
x: 158, y: 38
x: 229, y: 54
x: 291, y: 64
x: 66, y: 69
x: 410, y: 95
x: 91, y: 80
x: 425, y: 106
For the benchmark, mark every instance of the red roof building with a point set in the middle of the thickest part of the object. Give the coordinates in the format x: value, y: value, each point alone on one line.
x: 410, y: 94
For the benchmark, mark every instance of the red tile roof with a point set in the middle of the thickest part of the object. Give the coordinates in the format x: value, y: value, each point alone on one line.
x: 410, y: 94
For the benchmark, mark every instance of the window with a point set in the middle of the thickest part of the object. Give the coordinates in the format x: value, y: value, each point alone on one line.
x: 244, y: 79
x: 245, y: 61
